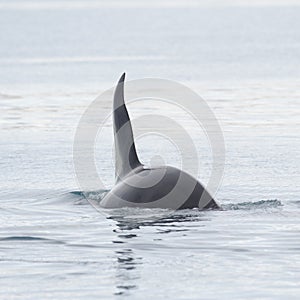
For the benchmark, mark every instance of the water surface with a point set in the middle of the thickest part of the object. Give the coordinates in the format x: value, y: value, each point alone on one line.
x: 55, y: 59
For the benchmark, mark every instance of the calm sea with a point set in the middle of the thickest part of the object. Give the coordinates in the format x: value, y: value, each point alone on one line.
x: 56, y: 57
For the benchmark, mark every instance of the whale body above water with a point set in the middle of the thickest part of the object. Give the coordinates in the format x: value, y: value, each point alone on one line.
x: 148, y: 187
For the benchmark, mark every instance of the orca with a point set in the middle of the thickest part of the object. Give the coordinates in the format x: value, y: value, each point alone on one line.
x: 148, y: 187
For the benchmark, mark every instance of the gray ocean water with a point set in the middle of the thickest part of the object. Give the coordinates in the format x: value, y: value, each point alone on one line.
x: 56, y: 57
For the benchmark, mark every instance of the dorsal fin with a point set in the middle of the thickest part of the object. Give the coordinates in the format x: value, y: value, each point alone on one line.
x: 126, y: 158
